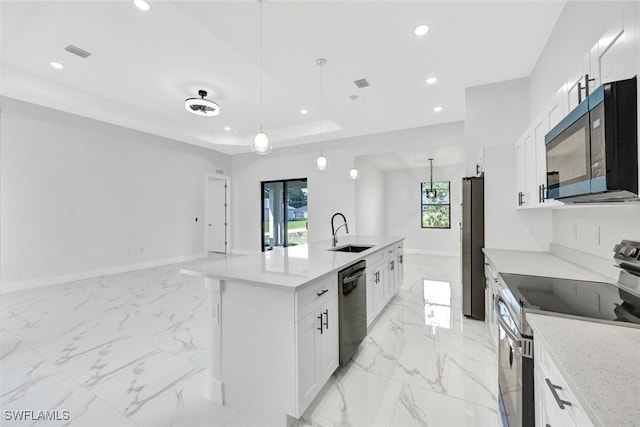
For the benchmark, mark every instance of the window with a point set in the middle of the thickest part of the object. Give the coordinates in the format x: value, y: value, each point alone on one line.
x: 284, y: 213
x: 436, y: 211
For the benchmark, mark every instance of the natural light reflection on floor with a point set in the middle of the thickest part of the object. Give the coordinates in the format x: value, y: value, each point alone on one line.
x: 437, y: 303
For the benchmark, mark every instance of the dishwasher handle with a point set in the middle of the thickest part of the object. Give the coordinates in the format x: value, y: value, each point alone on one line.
x: 507, y: 329
x: 354, y: 276
x: 350, y: 282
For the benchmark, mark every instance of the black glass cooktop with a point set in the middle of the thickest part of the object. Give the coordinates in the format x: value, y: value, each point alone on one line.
x: 597, y: 300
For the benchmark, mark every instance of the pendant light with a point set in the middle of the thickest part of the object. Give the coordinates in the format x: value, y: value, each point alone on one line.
x: 260, y: 143
x: 321, y: 161
x: 431, y: 192
x: 354, y: 173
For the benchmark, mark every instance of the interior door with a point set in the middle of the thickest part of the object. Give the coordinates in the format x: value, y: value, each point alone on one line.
x: 216, y: 215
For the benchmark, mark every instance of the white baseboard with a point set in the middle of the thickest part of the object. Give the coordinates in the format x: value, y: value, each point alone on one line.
x: 431, y: 252
x: 244, y: 252
x: 47, y: 281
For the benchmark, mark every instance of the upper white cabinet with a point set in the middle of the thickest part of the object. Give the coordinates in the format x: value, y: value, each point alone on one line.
x: 613, y: 58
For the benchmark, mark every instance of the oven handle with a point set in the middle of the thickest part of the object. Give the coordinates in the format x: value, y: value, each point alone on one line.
x: 507, y: 329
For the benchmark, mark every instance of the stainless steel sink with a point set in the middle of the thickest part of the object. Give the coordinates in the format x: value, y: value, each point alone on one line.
x: 351, y: 248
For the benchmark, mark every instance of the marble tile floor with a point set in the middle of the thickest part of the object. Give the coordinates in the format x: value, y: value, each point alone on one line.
x: 130, y: 350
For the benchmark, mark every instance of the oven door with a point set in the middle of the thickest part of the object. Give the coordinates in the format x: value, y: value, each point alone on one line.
x: 509, y: 363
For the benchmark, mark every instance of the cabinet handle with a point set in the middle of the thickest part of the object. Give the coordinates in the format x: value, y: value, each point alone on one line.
x: 392, y: 265
x: 320, y: 328
x: 322, y: 292
x: 520, y: 198
x: 326, y: 321
x: 553, y: 388
x: 401, y: 260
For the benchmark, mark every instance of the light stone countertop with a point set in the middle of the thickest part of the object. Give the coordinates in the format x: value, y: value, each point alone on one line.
x: 291, y: 267
x: 540, y: 264
x: 599, y: 362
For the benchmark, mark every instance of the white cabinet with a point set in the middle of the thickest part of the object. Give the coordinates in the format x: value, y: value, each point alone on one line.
x: 375, y: 290
x: 385, y: 271
x: 521, y: 172
x: 317, y: 340
x: 613, y: 58
x: 556, y: 403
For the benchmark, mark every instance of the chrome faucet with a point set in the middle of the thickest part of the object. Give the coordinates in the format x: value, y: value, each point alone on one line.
x: 334, y: 231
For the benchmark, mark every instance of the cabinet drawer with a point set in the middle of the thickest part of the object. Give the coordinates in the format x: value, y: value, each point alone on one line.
x: 398, y: 248
x: 546, y: 369
x: 315, y: 293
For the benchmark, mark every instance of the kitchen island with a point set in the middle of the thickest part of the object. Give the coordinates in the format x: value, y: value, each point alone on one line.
x: 274, y: 321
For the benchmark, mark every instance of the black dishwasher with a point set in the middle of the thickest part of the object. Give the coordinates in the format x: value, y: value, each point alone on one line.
x: 352, y: 303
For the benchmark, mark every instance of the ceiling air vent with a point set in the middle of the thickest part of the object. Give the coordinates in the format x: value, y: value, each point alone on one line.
x: 77, y: 51
x: 362, y: 83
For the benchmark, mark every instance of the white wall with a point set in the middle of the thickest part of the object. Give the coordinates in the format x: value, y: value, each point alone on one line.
x: 403, y: 215
x: 370, y: 200
x: 329, y: 191
x: 82, y: 198
x: 506, y: 227
x: 495, y: 114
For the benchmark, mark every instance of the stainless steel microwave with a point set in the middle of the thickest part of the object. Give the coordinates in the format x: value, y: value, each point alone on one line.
x: 592, y: 154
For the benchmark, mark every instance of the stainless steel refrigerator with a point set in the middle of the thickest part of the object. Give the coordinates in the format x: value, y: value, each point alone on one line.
x: 472, y: 242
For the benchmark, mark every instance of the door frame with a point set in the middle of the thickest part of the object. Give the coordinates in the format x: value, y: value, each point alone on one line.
x: 227, y: 226
x: 284, y: 189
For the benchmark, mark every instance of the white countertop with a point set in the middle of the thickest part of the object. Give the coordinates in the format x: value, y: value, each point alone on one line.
x: 540, y: 264
x: 289, y: 267
x: 599, y: 362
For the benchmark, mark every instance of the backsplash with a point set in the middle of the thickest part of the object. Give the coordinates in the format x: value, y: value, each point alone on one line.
x: 586, y: 235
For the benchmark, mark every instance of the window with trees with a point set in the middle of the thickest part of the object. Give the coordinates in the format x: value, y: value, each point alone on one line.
x: 436, y: 204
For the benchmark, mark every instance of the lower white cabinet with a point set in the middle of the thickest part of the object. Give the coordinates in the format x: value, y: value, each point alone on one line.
x: 385, y: 271
x: 317, y: 335
x: 375, y: 290
x: 556, y: 403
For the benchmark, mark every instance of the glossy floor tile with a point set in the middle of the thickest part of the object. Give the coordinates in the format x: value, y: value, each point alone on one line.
x: 130, y: 350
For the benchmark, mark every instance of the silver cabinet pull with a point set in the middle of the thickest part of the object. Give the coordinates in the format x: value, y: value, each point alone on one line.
x: 320, y: 328
x: 561, y: 403
x: 326, y: 319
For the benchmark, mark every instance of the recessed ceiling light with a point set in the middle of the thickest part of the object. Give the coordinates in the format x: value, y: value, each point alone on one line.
x: 57, y: 65
x: 142, y: 5
x: 421, y: 30
x: 227, y: 128
x: 303, y: 111
x: 432, y: 80
x: 437, y: 109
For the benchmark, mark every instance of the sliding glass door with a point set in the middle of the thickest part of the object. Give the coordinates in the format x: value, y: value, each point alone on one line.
x: 284, y: 213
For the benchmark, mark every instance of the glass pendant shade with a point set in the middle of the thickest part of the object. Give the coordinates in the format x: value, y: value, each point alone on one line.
x: 354, y: 173
x: 321, y: 163
x: 260, y: 143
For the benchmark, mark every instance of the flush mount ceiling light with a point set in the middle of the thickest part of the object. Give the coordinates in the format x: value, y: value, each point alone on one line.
x: 437, y: 109
x: 201, y: 106
x: 431, y: 192
x: 260, y: 143
x: 432, y: 80
x: 56, y: 65
x: 142, y: 5
x: 421, y: 30
x: 227, y: 128
x: 304, y: 111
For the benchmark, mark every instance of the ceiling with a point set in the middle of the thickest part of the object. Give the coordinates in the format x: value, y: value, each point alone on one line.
x: 145, y: 64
